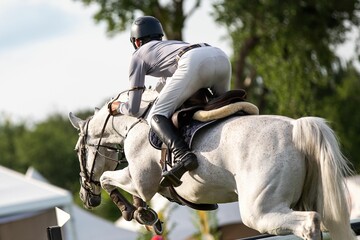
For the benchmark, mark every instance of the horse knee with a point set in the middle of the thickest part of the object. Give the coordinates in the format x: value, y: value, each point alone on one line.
x: 281, y: 222
x: 250, y: 221
x: 266, y: 223
x: 105, y: 182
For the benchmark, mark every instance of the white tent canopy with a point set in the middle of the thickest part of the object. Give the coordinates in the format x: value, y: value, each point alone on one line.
x: 24, y: 196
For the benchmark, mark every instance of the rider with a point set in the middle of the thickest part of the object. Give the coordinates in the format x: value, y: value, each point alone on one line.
x: 182, y: 69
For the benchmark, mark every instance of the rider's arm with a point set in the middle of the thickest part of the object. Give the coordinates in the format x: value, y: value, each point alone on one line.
x: 137, y: 72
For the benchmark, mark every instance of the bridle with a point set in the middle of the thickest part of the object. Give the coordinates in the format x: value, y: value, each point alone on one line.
x: 88, y: 175
x: 84, y: 173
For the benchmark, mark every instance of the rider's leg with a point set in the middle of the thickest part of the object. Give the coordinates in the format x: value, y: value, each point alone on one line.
x: 184, y: 159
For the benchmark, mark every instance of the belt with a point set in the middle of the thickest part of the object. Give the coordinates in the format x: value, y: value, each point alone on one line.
x: 188, y: 48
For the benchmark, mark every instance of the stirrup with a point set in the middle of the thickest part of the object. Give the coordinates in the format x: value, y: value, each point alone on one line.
x: 169, y: 179
x: 187, y: 163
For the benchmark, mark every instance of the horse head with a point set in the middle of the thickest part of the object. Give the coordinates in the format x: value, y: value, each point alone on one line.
x: 97, y: 146
x: 95, y: 156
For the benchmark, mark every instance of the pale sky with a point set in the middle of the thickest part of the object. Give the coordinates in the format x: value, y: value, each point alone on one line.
x: 54, y: 58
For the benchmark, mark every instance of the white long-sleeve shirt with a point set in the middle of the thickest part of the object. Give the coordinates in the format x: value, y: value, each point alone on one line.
x: 155, y: 58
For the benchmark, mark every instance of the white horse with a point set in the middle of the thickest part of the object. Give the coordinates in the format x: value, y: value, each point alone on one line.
x: 287, y: 175
x: 353, y: 186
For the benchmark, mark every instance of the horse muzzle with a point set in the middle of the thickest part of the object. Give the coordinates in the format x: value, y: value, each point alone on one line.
x: 89, y: 199
x: 94, y: 200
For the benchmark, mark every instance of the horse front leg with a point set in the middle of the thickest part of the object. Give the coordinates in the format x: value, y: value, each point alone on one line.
x: 139, y: 210
x: 126, y: 208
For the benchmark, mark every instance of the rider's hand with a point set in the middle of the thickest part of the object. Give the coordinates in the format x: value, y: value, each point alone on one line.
x: 115, y: 107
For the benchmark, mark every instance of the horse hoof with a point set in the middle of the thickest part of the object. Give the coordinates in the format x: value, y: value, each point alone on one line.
x: 158, y: 227
x: 146, y: 216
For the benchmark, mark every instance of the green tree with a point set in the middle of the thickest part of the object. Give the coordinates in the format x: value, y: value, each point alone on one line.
x: 343, y: 111
x: 284, y: 50
x: 119, y: 14
x: 9, y: 135
x: 49, y: 148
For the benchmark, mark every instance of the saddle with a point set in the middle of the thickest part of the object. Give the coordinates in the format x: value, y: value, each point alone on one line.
x: 202, y: 109
x: 204, y: 101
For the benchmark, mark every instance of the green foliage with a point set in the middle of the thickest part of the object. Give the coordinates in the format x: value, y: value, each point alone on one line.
x: 9, y: 135
x: 119, y: 14
x: 49, y: 148
x: 342, y: 110
x: 207, y: 224
x: 286, y: 48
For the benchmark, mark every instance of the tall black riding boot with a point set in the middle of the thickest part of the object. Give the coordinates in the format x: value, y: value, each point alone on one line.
x: 184, y: 159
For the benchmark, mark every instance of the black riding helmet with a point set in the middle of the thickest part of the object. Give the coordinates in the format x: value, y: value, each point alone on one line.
x: 146, y: 28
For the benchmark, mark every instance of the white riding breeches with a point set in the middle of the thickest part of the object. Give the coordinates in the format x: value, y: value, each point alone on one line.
x: 203, y: 67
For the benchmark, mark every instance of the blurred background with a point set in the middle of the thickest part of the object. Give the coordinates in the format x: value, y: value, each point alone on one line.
x: 294, y: 58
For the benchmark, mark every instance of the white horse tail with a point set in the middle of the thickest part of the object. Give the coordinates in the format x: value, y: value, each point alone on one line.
x: 326, y: 168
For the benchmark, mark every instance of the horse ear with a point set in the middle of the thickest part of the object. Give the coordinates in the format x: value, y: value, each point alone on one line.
x: 75, y: 121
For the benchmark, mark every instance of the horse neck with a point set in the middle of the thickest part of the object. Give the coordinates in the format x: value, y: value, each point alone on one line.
x: 121, y: 125
x: 100, y: 126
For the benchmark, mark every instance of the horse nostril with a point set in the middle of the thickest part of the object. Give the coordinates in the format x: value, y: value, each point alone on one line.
x: 94, y: 201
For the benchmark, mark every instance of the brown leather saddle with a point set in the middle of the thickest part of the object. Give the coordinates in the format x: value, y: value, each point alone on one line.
x: 205, y: 100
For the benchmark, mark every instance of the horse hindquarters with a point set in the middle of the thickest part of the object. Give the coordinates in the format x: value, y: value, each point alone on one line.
x: 313, y: 137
